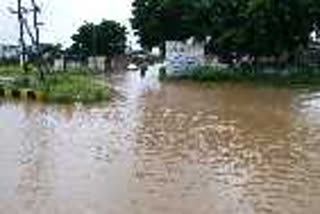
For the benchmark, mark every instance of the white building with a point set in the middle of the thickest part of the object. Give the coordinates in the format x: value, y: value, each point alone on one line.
x: 156, y: 52
x: 59, y: 64
x: 182, y: 56
x: 9, y: 51
x: 98, y: 64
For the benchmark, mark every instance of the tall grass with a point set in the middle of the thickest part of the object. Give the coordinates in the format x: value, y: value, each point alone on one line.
x: 77, y: 85
x: 73, y: 88
x: 292, y: 76
x: 16, y: 70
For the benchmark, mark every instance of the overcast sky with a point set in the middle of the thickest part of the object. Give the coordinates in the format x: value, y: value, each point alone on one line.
x: 63, y: 17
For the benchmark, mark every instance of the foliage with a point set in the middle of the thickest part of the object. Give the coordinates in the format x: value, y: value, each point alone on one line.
x: 47, y: 51
x: 107, y: 38
x: 72, y: 86
x: 16, y: 70
x: 146, y: 21
x: 295, y: 76
x: 158, y: 20
x: 52, y: 50
x: 241, y: 27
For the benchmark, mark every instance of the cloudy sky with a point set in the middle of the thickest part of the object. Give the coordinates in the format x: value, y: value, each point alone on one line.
x: 63, y: 17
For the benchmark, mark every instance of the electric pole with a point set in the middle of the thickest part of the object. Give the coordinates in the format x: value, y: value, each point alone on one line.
x: 36, y: 10
x: 21, y: 37
x: 34, y: 35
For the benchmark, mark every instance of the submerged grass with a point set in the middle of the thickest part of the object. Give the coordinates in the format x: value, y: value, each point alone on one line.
x: 292, y: 77
x: 63, y: 87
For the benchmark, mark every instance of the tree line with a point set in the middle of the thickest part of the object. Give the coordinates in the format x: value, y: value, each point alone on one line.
x: 241, y: 27
x: 107, y: 38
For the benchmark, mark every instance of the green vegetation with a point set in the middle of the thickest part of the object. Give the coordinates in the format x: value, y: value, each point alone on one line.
x: 70, y: 86
x: 236, y: 31
x: 105, y: 39
x: 15, y: 70
x: 237, y: 27
x: 293, y: 77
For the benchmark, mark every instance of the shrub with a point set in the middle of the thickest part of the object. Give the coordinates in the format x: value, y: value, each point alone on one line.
x: 293, y: 77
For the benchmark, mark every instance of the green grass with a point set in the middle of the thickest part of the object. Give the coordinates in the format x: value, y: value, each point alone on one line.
x: 73, y: 88
x: 66, y: 87
x: 10, y: 70
x: 296, y: 77
x: 15, y: 70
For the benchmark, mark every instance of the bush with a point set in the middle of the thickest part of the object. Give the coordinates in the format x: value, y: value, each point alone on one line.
x: 16, y: 70
x: 72, y: 87
x: 77, y: 85
x: 293, y: 77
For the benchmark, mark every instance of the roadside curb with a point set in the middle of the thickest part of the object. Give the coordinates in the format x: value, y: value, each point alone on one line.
x: 23, y: 94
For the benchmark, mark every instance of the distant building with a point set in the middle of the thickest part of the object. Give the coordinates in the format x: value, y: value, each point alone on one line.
x: 68, y: 62
x: 59, y: 64
x: 98, y: 63
x: 8, y: 52
x: 156, y: 51
x: 182, y: 56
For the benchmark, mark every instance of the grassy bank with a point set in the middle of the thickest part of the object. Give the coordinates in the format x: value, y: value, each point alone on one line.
x: 70, y: 86
x: 290, y: 77
x: 13, y: 70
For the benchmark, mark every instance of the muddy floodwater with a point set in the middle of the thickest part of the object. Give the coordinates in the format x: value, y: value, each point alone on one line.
x: 164, y: 148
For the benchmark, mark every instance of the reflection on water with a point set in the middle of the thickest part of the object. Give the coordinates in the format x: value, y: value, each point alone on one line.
x: 164, y: 148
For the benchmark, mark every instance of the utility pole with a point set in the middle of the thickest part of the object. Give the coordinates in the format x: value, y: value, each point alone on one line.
x: 36, y: 24
x: 21, y: 37
x: 33, y: 34
x: 36, y: 10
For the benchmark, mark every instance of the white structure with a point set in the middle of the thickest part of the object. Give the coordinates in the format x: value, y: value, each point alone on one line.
x: 67, y: 64
x: 58, y: 65
x: 183, y: 56
x: 9, y: 51
x: 73, y: 65
x: 98, y: 63
x: 156, y: 51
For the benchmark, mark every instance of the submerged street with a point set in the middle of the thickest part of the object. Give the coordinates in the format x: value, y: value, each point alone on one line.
x: 163, y: 147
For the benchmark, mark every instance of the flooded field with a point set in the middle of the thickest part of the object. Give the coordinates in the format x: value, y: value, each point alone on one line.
x: 174, y: 148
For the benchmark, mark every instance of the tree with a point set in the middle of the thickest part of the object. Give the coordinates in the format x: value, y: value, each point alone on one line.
x: 237, y: 27
x: 51, y: 50
x: 107, y: 38
x: 276, y: 27
x: 315, y: 13
x: 156, y: 21
x: 146, y: 21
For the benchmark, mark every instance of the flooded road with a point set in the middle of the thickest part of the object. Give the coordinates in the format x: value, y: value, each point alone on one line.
x: 174, y: 148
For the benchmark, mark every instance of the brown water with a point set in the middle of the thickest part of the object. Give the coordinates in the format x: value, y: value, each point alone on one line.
x: 170, y: 148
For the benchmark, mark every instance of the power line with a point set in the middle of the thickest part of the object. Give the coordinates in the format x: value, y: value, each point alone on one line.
x: 20, y: 12
x: 36, y: 39
x: 36, y: 10
x: 33, y: 34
